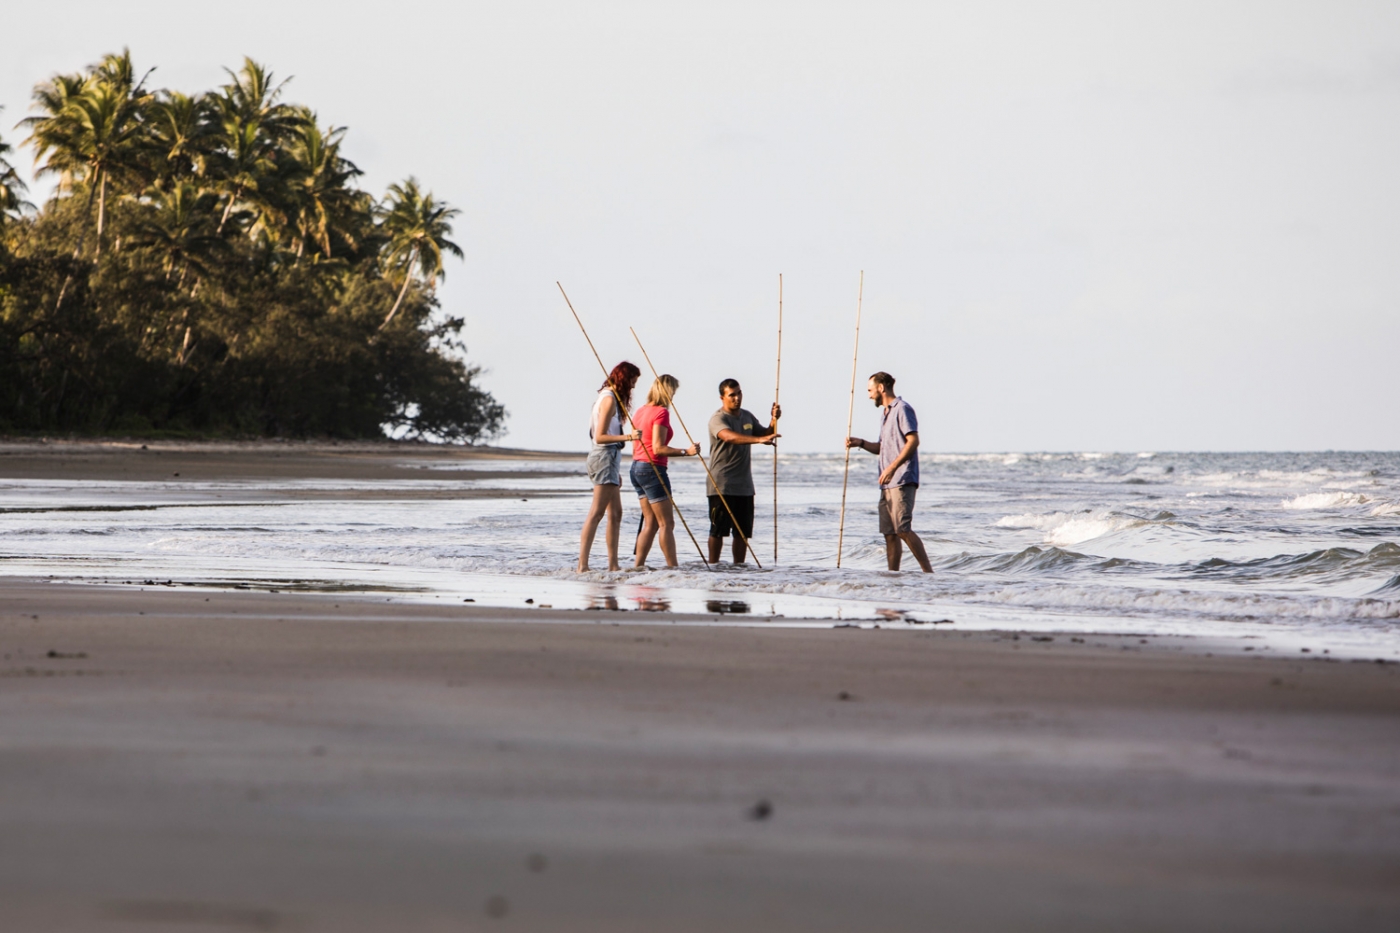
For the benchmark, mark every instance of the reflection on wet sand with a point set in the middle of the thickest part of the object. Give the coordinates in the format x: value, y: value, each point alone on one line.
x: 650, y: 599
x: 725, y: 606
x: 604, y: 602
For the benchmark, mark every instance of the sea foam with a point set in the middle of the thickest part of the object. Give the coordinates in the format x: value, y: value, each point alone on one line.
x: 1325, y: 500
x: 1065, y: 530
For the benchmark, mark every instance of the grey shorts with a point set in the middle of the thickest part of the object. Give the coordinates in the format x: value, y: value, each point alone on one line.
x: 605, y: 465
x: 897, y: 509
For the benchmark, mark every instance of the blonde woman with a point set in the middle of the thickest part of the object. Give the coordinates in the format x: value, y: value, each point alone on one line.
x: 649, y: 478
x: 605, y: 461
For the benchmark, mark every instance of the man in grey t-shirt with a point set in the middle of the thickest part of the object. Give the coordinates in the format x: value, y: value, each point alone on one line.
x: 733, y: 429
x: 898, y: 449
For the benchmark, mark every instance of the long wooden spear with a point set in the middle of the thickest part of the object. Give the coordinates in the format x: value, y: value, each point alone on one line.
x: 737, y: 530
x: 777, y: 384
x: 850, y: 414
x: 623, y: 408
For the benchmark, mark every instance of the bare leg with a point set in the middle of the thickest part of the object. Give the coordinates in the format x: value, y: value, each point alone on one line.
x: 668, y: 530
x: 893, y: 551
x: 614, y: 531
x: 916, y: 547
x: 649, y: 525
x: 716, y: 545
x: 738, y: 549
x: 590, y: 526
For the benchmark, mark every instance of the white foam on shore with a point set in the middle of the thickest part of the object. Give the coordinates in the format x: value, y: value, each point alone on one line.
x: 1067, y: 530
x: 1325, y: 500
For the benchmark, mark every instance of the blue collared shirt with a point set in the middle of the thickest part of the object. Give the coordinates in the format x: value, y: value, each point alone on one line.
x: 897, y: 422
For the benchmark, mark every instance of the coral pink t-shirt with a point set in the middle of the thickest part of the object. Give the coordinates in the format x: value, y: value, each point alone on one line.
x: 643, y: 419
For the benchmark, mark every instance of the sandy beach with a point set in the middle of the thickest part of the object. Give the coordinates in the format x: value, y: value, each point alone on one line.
x: 196, y: 758
x: 194, y: 461
x: 183, y: 760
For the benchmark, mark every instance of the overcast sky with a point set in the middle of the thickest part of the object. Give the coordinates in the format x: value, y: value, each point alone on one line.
x: 1084, y: 226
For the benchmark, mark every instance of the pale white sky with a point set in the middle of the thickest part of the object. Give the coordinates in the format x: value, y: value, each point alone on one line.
x: 1084, y: 226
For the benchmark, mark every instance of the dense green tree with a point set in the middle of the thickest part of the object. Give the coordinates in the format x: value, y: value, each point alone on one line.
x: 241, y: 283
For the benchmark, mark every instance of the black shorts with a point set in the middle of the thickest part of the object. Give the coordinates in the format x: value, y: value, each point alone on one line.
x: 720, y: 524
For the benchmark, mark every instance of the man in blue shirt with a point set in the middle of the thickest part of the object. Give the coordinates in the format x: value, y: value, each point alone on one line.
x: 898, y: 450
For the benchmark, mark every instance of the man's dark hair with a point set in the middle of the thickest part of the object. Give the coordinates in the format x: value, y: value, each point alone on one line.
x: 886, y: 380
x: 728, y: 384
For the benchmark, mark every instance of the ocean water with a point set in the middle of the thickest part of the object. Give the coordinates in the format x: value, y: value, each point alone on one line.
x: 1284, y: 550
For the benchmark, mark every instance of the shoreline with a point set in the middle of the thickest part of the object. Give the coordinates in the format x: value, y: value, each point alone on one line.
x: 230, y: 477
x: 153, y: 461
x: 379, y: 603
x: 180, y: 756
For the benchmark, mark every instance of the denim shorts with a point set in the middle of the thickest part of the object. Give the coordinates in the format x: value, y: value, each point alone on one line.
x: 605, y: 465
x: 645, y: 481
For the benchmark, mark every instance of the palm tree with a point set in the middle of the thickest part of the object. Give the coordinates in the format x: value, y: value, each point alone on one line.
x: 93, y: 130
x: 53, y: 133
x: 325, y: 204
x: 416, y: 227
x: 183, y: 135
x: 12, y: 187
x: 179, y: 227
x: 254, y: 125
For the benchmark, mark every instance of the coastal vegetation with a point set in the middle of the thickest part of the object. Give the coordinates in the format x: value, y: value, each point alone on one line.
x: 207, y: 265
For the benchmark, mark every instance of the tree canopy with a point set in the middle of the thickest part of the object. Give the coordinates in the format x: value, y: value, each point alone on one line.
x: 207, y: 265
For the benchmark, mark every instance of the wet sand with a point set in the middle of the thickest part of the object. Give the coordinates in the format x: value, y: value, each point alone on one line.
x: 181, y: 760
x: 244, y: 461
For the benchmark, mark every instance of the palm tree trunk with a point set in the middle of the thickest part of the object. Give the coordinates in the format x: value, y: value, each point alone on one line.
x: 83, y: 230
x: 77, y: 251
x: 67, y: 280
x: 407, y: 277
x: 228, y: 209
x: 101, y: 210
x: 185, y: 348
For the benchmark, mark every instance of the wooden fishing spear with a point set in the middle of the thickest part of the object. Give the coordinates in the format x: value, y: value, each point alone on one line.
x: 671, y: 399
x: 623, y: 408
x: 850, y: 414
x: 777, y: 384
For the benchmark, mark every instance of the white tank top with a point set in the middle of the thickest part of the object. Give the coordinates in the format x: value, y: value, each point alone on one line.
x: 614, y: 425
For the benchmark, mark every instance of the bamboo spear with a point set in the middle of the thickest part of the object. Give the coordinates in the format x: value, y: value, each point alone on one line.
x: 623, y: 408
x: 850, y: 414
x: 777, y: 384
x: 737, y: 530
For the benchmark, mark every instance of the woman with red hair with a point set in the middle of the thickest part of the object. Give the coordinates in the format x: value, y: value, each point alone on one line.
x: 605, y: 461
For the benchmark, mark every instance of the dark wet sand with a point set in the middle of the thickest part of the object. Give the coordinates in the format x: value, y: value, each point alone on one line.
x: 249, y: 461
x: 173, y: 760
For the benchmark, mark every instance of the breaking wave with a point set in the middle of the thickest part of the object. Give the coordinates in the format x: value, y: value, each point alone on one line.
x: 1325, y: 500
x: 1066, y: 529
x: 1337, y: 562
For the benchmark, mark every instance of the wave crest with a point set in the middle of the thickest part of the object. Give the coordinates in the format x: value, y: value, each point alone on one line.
x: 1066, y: 529
x: 1324, y: 500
